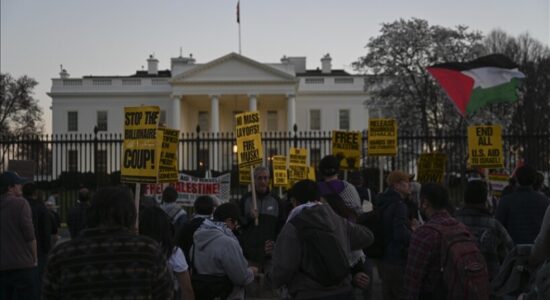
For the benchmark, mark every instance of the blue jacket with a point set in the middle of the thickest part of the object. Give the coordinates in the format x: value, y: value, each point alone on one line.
x: 521, y: 213
x: 397, y: 233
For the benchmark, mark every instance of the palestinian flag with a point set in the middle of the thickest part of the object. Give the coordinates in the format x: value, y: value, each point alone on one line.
x: 472, y: 85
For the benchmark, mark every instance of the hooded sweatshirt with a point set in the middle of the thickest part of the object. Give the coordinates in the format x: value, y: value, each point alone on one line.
x: 217, y: 252
x: 287, y: 261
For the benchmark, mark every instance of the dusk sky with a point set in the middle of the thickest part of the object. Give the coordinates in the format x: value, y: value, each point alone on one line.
x: 103, y: 37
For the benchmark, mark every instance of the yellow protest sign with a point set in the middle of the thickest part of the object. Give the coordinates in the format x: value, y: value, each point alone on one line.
x: 249, y: 142
x: 382, y: 137
x: 346, y: 146
x: 140, y: 138
x: 280, y: 178
x: 280, y: 174
x: 431, y: 167
x: 244, y: 176
x: 167, y: 160
x: 297, y: 165
x: 485, y: 146
x: 311, y: 174
x: 279, y: 162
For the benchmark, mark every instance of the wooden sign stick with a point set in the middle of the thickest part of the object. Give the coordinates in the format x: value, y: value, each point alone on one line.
x: 254, y: 201
x: 136, y: 197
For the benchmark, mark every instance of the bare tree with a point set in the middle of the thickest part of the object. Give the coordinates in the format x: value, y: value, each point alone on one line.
x: 531, y: 114
x: 19, y: 111
x: 396, y: 62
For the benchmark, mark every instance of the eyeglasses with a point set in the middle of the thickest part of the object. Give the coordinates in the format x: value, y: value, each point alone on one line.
x: 262, y: 178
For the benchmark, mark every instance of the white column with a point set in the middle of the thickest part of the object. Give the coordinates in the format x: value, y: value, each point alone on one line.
x: 290, y: 111
x: 214, y: 127
x: 252, y: 102
x: 176, y: 112
x: 214, y: 113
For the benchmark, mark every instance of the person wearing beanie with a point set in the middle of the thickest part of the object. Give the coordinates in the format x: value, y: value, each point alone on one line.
x: 18, y: 251
x: 177, y: 215
x: 329, y: 167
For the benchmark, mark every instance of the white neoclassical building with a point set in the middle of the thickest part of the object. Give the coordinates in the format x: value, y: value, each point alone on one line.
x: 210, y: 94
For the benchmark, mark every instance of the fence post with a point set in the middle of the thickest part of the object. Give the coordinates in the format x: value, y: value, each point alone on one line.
x: 198, y: 129
x: 295, y: 128
x: 97, y: 176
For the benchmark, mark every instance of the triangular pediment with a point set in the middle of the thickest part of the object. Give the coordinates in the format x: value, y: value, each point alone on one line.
x: 233, y: 68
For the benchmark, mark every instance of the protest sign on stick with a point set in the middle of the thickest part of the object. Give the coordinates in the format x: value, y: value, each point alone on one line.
x: 346, y: 146
x: 382, y: 137
x: 431, y: 167
x: 485, y: 146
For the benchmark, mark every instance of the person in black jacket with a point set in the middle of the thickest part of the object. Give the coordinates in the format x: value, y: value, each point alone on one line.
x: 397, y: 233
x: 257, y: 240
x: 42, y: 223
x: 204, y: 208
x: 522, y: 211
x: 76, y: 219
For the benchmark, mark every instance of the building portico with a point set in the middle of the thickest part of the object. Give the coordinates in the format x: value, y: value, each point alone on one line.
x: 208, y: 89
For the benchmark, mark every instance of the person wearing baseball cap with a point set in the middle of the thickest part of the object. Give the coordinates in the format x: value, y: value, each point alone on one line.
x: 18, y: 257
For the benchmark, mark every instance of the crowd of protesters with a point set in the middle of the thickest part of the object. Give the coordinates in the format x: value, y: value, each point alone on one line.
x: 313, y: 244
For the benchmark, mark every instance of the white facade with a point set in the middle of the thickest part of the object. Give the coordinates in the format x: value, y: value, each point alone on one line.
x: 285, y: 94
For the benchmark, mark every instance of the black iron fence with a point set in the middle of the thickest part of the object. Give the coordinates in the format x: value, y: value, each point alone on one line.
x: 68, y: 161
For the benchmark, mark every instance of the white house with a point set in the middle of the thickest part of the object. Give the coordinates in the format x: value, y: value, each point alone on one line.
x: 211, y: 93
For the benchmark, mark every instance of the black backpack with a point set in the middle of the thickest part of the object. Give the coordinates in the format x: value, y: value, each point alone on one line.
x: 374, y: 220
x: 184, y: 235
x: 323, y: 258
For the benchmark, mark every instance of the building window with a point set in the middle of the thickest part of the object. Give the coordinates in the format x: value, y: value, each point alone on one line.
x: 343, y: 119
x: 162, y: 119
x: 315, y: 80
x: 272, y: 120
x: 159, y: 81
x: 102, y: 120
x: 101, y: 163
x: 345, y: 80
x: 315, y: 119
x: 72, y: 118
x: 72, y: 82
x: 98, y: 82
x: 72, y: 162
x: 204, y: 121
x: 131, y: 81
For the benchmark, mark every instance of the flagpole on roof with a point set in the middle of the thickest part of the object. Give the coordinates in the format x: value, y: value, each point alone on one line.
x: 239, y: 22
